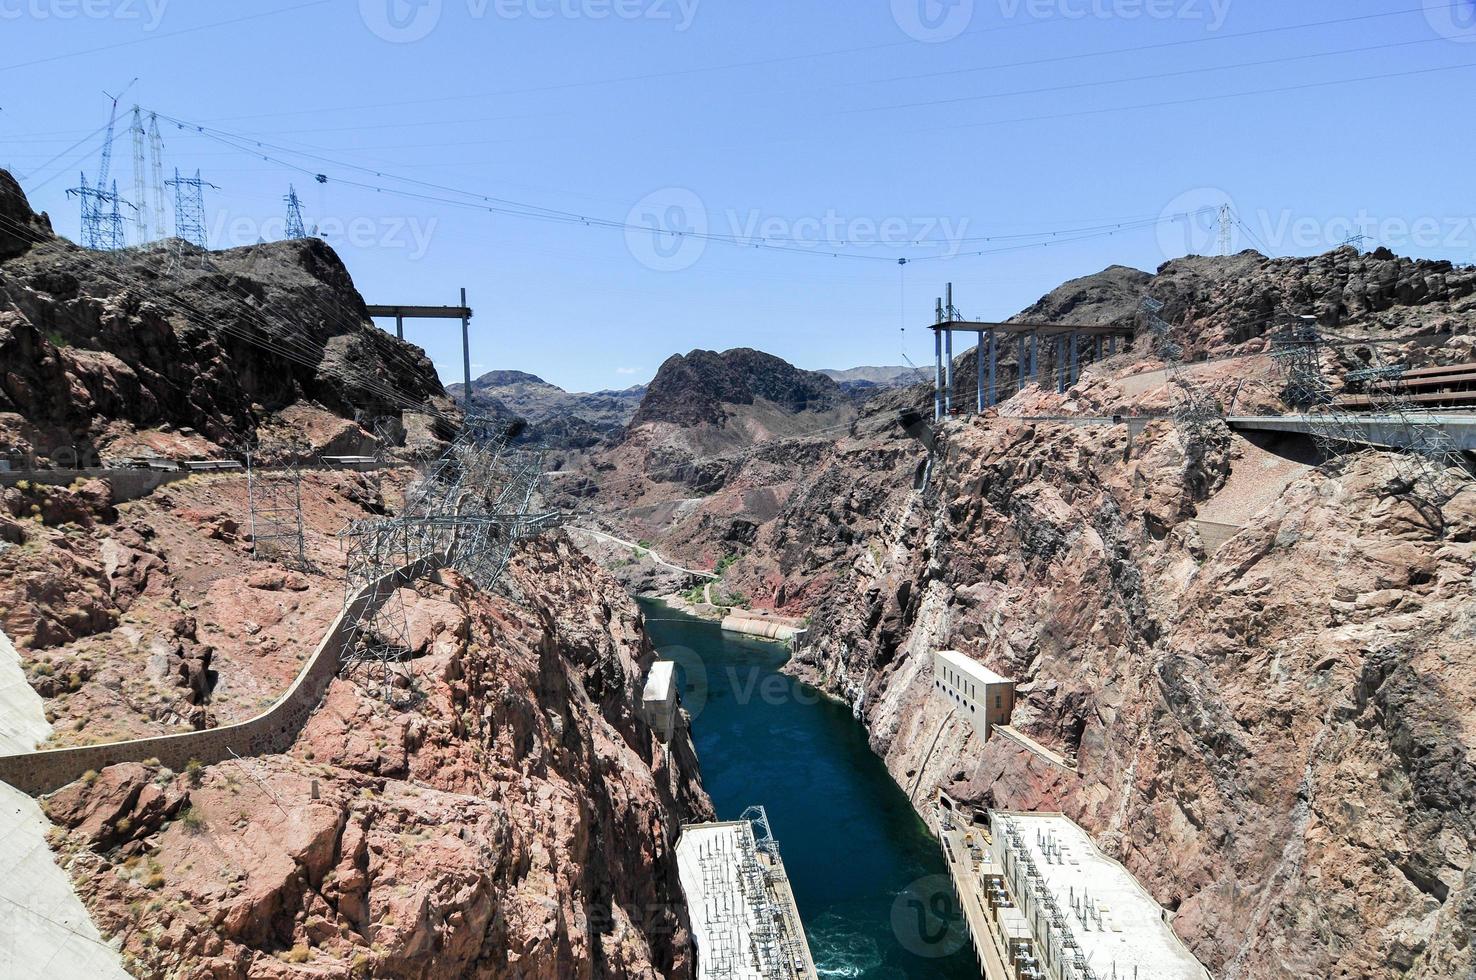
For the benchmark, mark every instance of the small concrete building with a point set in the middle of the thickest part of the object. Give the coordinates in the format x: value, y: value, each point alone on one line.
x: 978, y: 693
x: 659, y: 699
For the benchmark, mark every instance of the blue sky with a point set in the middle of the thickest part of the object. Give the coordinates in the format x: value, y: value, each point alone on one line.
x: 944, y: 128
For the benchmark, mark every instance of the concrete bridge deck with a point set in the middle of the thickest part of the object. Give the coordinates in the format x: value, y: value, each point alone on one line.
x: 1390, y: 431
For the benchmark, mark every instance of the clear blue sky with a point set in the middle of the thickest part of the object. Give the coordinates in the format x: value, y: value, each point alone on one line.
x: 790, y: 120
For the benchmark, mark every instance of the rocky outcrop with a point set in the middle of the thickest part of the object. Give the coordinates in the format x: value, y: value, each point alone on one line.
x: 693, y: 389
x: 96, y: 354
x: 555, y: 418
x: 517, y: 821
x: 1267, y: 732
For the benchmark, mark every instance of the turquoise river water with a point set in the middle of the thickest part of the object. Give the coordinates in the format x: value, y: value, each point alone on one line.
x: 870, y: 881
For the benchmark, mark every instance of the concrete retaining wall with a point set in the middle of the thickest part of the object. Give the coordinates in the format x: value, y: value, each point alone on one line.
x: 274, y: 730
x: 127, y: 484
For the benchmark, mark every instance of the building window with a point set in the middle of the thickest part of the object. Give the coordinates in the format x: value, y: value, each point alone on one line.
x: 998, y: 701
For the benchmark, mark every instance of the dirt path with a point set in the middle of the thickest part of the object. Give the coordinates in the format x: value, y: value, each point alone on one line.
x: 647, y: 552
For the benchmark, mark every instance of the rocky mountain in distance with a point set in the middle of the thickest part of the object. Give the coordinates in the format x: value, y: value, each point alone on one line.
x: 863, y: 382
x: 555, y: 417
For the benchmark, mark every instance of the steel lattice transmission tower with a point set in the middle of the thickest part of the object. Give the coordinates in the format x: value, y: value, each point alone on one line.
x: 156, y: 172
x: 140, y: 191
x: 189, y: 208
x: 468, y: 510
x: 1225, y: 222
x: 102, y: 219
x: 295, y: 228
x: 275, y: 500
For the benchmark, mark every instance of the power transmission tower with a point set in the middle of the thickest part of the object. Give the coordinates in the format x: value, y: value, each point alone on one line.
x: 156, y: 167
x: 295, y: 227
x: 1225, y: 220
x: 275, y: 501
x: 140, y: 193
x: 189, y: 208
x: 102, y: 221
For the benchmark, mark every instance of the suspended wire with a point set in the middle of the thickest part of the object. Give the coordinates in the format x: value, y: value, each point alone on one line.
x: 162, y: 34
x: 529, y: 211
x: 1141, y: 78
x: 1160, y: 45
x: 1208, y: 98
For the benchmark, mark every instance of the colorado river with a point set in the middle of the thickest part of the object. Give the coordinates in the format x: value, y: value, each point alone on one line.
x: 868, y: 877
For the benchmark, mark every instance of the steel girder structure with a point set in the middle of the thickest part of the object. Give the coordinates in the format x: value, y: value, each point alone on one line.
x: 1427, y: 459
x: 471, y: 506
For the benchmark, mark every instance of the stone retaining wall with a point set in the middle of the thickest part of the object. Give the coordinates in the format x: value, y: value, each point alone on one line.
x: 274, y: 730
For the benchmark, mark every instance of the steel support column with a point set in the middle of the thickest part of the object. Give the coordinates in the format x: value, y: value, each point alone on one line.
x: 948, y: 372
x: 979, y: 371
x: 993, y: 369
x: 1075, y: 357
x: 466, y: 349
x: 938, y: 372
x: 399, y: 326
x: 1020, y: 363
x: 1061, y: 365
x: 1035, y: 355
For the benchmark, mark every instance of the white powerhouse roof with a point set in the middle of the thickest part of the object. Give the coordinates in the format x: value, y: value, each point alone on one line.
x: 722, y: 922
x: 971, y: 668
x: 659, y: 681
x: 1133, y: 934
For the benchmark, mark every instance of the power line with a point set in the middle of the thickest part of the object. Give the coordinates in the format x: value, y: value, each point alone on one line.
x: 477, y: 201
x: 1097, y: 83
x: 1159, y: 45
x: 161, y: 35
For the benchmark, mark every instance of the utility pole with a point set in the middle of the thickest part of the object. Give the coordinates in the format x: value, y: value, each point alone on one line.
x: 1225, y: 229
